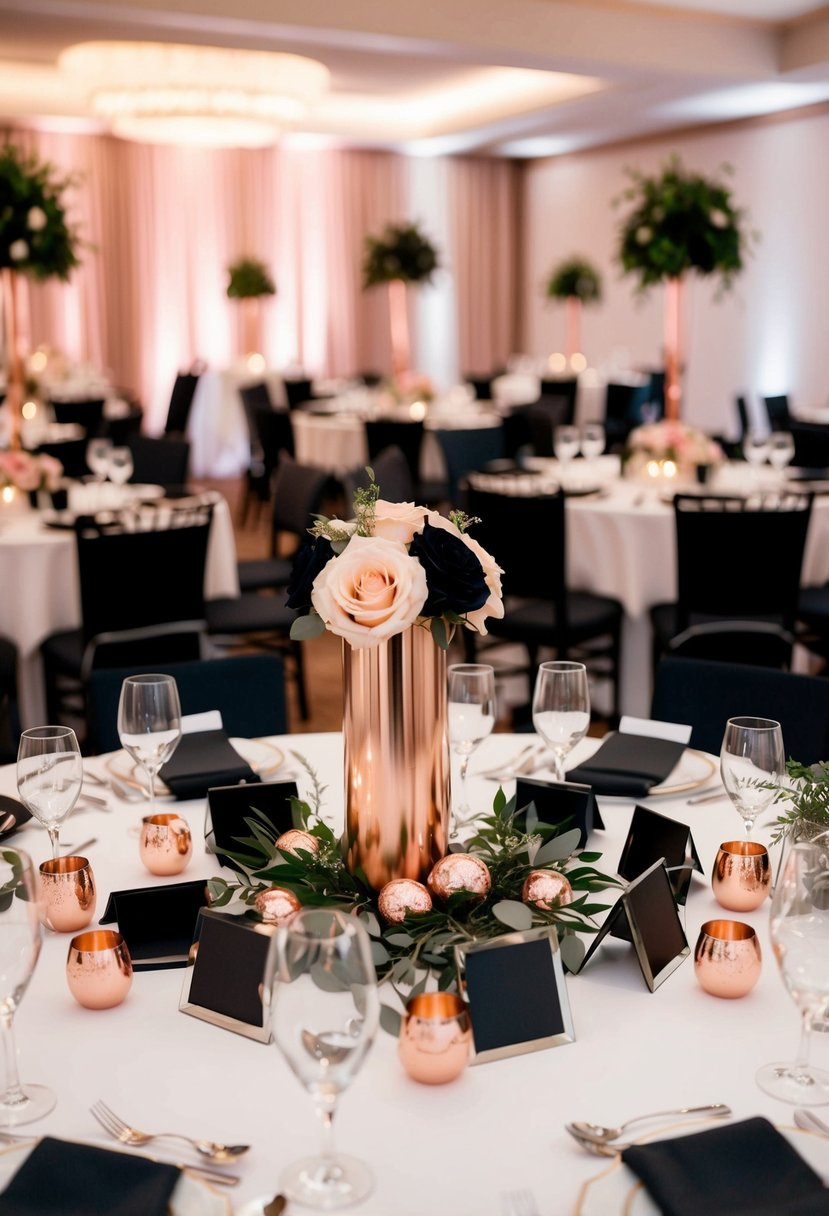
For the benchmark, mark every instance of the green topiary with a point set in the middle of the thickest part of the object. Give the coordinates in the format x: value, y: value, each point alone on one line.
x: 402, y: 252
x: 249, y: 278
x: 575, y: 277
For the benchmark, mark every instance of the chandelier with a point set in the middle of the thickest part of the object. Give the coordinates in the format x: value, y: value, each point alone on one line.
x: 212, y: 96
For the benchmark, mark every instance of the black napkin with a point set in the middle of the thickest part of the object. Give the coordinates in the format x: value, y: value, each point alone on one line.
x: 79, y: 1180
x: 201, y: 760
x: 741, y: 1169
x: 628, y: 765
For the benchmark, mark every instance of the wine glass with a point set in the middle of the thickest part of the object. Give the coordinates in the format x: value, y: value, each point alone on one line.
x: 120, y: 466
x: 149, y: 723
x: 471, y: 717
x: 49, y: 775
x: 781, y: 450
x: 98, y: 452
x: 756, y: 450
x: 566, y: 444
x: 593, y: 440
x: 799, y: 925
x: 321, y: 988
x: 752, y: 761
x: 20, y: 939
x: 561, y: 708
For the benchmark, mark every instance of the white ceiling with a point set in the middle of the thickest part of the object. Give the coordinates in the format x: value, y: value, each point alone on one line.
x: 430, y: 76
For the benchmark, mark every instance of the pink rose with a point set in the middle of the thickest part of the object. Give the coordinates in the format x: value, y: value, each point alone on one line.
x: 371, y: 592
x: 398, y: 520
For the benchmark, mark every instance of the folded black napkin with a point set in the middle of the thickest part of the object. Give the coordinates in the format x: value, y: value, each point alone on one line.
x: 79, y: 1180
x: 741, y: 1169
x: 628, y: 765
x: 201, y: 760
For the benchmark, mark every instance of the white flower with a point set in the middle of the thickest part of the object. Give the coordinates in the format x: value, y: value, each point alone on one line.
x: 18, y: 251
x: 398, y: 520
x: 36, y: 219
x: 718, y: 218
x: 643, y: 235
x: 371, y: 592
x: 494, y: 605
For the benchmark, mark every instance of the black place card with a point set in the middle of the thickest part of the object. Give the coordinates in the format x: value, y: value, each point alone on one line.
x: 157, y: 923
x: 652, y: 837
x: 645, y: 915
x: 202, y: 759
x: 516, y: 992
x: 225, y: 974
x: 228, y: 806
x: 559, y: 803
x: 629, y: 765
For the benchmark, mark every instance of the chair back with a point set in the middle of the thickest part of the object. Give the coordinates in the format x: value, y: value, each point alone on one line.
x: 742, y: 412
x: 544, y: 416
x: 256, y: 395
x: 517, y: 432
x: 300, y: 492
x: 482, y: 386
x: 777, y: 409
x: 181, y: 399
x: 391, y: 472
x: 88, y: 413
x: 466, y: 450
x: 562, y: 388
x: 159, y: 460
x: 72, y: 455
x: 704, y: 695
x: 248, y: 690
x: 740, y: 558
x: 297, y: 392
x: 387, y: 433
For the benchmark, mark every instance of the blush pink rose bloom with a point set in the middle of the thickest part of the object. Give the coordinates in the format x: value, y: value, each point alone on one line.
x: 398, y: 520
x: 494, y: 605
x: 371, y: 592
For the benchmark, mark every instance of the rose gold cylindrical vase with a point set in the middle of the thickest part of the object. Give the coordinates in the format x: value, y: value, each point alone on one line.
x: 396, y: 757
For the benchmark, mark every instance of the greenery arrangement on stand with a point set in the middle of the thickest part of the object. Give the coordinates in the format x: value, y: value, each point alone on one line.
x: 249, y: 278
x: 419, y: 950
x: 400, y: 252
x: 36, y: 237
x: 575, y: 278
x: 807, y: 795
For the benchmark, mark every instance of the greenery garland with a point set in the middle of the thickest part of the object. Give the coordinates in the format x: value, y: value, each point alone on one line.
x: 249, y: 279
x: 401, y: 252
x: 35, y: 235
x: 807, y: 795
x: 407, y: 954
x: 575, y: 277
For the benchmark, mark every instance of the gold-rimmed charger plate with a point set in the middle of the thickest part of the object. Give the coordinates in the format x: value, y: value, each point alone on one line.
x: 616, y: 1191
x: 694, y: 769
x: 192, y: 1196
x: 263, y: 757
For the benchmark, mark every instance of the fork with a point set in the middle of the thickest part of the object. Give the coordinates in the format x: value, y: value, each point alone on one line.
x: 519, y: 1203
x: 119, y: 1130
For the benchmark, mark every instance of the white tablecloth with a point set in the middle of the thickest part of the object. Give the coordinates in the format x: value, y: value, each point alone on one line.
x: 440, y: 1149
x: 39, y: 574
x: 217, y: 427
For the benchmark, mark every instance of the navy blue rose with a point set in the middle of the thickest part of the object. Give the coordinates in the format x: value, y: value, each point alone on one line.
x: 454, y: 575
x: 309, y: 560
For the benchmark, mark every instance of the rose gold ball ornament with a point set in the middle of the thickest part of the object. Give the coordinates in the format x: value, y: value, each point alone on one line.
x: 276, y: 904
x: 403, y: 897
x: 459, y: 872
x: 292, y: 841
x: 546, y: 888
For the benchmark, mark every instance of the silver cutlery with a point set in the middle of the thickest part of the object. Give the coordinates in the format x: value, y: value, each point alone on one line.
x: 807, y: 1121
x: 79, y: 848
x: 598, y: 1147
x: 119, y: 1130
x: 602, y: 1135
x: 87, y: 802
x: 707, y: 798
x: 525, y: 762
x: 519, y: 1203
x: 709, y: 789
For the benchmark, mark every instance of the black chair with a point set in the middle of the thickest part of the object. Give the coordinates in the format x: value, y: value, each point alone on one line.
x: 517, y: 432
x: 88, y: 413
x: 160, y: 461
x: 464, y: 450
x: 543, y: 417
x: 271, y: 434
x: 482, y: 385
x: 408, y: 436
x: 248, y: 690
x: 704, y: 695
x: 742, y: 413
x: 298, y: 392
x: 9, y: 712
x: 370, y: 379
x: 142, y: 597
x: 777, y: 409
x: 72, y: 455
x: 738, y: 575
x: 565, y: 389
x: 391, y: 473
x: 526, y: 536
x: 299, y: 493
x: 811, y: 447
x: 181, y: 399
x: 123, y: 427
x: 623, y: 411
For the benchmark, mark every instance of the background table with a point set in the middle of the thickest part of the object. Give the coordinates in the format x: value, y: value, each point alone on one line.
x: 217, y: 427
x: 436, y: 1149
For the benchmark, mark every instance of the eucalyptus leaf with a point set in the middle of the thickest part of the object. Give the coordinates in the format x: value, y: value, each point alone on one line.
x: 572, y: 951
x: 371, y: 923
x: 306, y: 628
x: 379, y: 954
x: 390, y: 1020
x: 558, y: 848
x: 399, y: 939
x: 325, y: 979
x: 512, y: 913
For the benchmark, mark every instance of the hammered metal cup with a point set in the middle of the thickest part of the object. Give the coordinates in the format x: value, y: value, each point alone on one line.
x: 68, y: 887
x: 727, y: 958
x: 99, y: 969
x: 435, y: 1038
x: 166, y: 844
x: 741, y: 878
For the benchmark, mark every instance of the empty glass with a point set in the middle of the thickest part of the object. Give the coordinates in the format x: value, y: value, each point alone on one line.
x: 49, y: 776
x: 566, y: 443
x: 321, y: 988
x: 756, y: 447
x: 471, y: 717
x: 98, y: 453
x: 120, y: 467
x: 592, y: 440
x: 752, y: 762
x: 149, y: 723
x: 799, y: 925
x: 561, y: 708
x: 781, y: 449
x: 20, y: 939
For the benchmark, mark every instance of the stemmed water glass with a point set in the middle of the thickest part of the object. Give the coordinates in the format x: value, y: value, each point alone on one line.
x: 471, y: 717
x: 799, y: 925
x: 752, y: 761
x: 756, y: 450
x: 120, y: 466
x: 20, y: 939
x: 149, y: 723
x: 49, y: 775
x: 321, y: 988
x: 561, y: 708
x: 593, y: 440
x: 98, y: 452
x: 781, y: 450
x: 566, y: 444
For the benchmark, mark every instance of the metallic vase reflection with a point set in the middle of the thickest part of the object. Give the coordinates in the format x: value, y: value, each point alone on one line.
x: 435, y: 1038
x: 396, y: 757
x: 741, y: 878
x: 727, y: 958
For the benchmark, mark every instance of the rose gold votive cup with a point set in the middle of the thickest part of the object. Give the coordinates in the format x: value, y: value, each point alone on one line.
x: 166, y: 844
x: 741, y: 879
x: 435, y: 1037
x: 727, y: 958
x: 99, y: 969
x: 68, y: 888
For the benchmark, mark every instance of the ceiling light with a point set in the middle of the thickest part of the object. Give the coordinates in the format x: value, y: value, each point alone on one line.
x: 175, y: 94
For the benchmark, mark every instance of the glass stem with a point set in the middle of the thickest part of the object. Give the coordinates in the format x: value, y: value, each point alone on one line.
x: 54, y: 835
x: 800, y: 1069
x: 325, y: 1106
x: 151, y: 779
x: 13, y: 1095
x: 558, y: 764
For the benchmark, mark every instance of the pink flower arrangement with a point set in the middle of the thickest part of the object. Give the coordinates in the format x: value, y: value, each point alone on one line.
x: 29, y: 472
x: 673, y: 440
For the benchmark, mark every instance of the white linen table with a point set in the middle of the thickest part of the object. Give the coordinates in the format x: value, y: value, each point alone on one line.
x: 217, y: 427
x: 439, y: 1149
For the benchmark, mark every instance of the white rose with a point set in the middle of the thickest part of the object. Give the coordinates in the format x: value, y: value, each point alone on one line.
x: 398, y: 520
x: 36, y: 219
x: 718, y: 218
x: 371, y: 592
x: 18, y: 251
x: 643, y: 235
x: 494, y: 605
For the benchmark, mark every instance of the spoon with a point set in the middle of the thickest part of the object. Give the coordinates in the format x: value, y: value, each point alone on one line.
x: 601, y: 1135
x: 809, y: 1122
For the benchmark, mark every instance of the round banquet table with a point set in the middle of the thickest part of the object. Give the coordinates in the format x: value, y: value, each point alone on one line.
x: 39, y: 574
x: 217, y: 427
x: 442, y: 1149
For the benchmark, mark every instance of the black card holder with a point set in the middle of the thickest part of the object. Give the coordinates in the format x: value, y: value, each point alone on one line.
x: 652, y: 837
x: 157, y: 923
x: 229, y: 806
x: 629, y: 765
x: 225, y: 974
x: 557, y: 803
x: 203, y: 759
